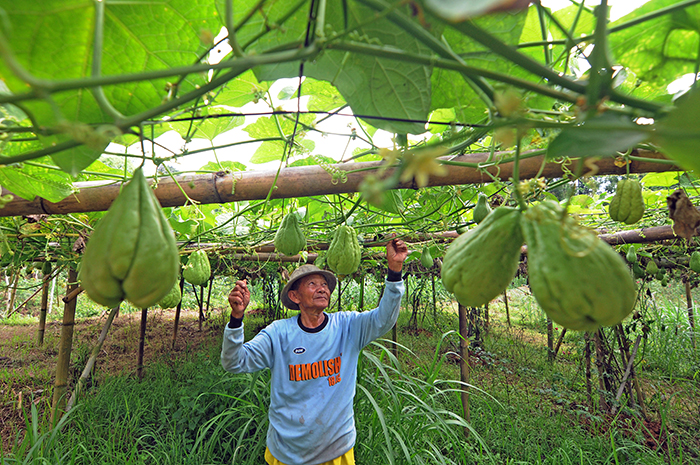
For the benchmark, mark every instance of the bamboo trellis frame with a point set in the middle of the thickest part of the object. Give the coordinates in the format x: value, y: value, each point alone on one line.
x: 307, y: 181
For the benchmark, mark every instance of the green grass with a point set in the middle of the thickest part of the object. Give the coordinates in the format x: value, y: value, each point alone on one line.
x: 524, y: 409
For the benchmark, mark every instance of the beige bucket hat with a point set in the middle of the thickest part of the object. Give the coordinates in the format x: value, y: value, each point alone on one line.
x: 305, y: 270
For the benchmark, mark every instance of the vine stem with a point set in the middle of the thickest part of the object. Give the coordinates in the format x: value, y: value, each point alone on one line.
x: 516, y: 177
x: 231, y: 28
x: 98, y: 39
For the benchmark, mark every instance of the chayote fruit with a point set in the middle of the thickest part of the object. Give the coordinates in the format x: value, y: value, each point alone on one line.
x: 482, y: 209
x: 652, y: 268
x: 480, y: 263
x: 695, y: 261
x: 631, y: 255
x: 132, y: 253
x: 290, y: 239
x: 637, y: 271
x: 172, y: 299
x: 581, y: 282
x: 46, y: 268
x: 198, y: 270
x: 344, y: 253
x: 627, y: 204
x: 426, y: 258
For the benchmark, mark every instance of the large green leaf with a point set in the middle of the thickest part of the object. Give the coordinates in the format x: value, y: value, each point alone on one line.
x: 451, y: 90
x: 138, y: 36
x: 376, y: 87
x: 30, y: 181
x: 244, y: 89
x: 268, y: 151
x: 678, y: 134
x: 324, y: 96
x: 216, y: 120
x: 603, y: 135
x: 660, y: 50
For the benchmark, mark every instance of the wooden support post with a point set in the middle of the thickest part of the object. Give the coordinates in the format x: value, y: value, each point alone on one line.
x: 602, y: 372
x: 691, y: 316
x: 61, y: 382
x: 361, y: 304
x: 43, y: 309
x: 628, y: 371
x: 464, y: 368
x: 93, y: 357
x: 177, y: 312
x: 201, y: 306
x: 587, y: 356
x: 73, y: 294
x: 13, y: 293
x: 211, y: 284
x: 550, y: 340
x: 142, y: 343
x: 559, y: 341
x: 432, y: 279
x: 505, y: 302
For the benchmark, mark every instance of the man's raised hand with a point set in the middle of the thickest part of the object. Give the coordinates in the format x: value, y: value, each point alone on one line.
x: 239, y: 298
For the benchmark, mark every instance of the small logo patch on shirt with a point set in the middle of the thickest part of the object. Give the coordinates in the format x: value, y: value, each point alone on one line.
x: 299, y: 350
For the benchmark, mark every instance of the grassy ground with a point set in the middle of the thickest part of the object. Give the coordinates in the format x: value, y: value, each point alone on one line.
x: 522, y: 407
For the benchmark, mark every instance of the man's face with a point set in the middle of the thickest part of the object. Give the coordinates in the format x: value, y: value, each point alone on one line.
x: 313, y: 293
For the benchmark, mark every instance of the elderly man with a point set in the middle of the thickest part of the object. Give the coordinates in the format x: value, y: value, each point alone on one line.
x: 313, y: 362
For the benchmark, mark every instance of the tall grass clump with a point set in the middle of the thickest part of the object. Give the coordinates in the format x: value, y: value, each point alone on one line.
x: 667, y: 345
x: 410, y: 418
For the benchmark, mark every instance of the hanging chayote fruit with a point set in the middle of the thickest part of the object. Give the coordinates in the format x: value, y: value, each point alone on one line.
x: 482, y: 209
x: 172, y: 298
x: 627, y: 205
x: 344, y: 253
x: 631, y: 255
x: 652, y: 268
x: 480, y: 263
x: 695, y: 261
x: 426, y: 258
x: 132, y: 253
x: 581, y: 282
x: 290, y: 239
x: 198, y: 270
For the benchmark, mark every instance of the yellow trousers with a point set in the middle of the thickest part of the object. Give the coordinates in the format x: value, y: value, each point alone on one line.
x: 347, y: 458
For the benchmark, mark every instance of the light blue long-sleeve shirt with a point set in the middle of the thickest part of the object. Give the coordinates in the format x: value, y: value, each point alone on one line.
x: 313, y: 376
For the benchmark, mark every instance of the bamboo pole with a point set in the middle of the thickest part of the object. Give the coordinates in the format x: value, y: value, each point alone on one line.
x: 628, y: 371
x: 13, y: 293
x: 211, y: 284
x: 304, y: 181
x: 550, y: 340
x: 432, y: 280
x: 587, y: 357
x: 559, y: 341
x: 464, y: 368
x: 73, y: 294
x: 505, y: 302
x: 602, y: 372
x: 177, y: 313
x: 43, y: 310
x: 691, y: 316
x: 26, y: 301
x: 61, y: 382
x: 93, y: 357
x: 51, y: 293
x: 201, y: 306
x: 142, y: 343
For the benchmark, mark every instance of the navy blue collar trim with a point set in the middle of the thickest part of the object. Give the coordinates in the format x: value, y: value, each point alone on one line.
x: 317, y: 328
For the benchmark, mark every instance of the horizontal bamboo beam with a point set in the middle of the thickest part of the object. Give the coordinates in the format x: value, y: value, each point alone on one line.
x: 307, y: 181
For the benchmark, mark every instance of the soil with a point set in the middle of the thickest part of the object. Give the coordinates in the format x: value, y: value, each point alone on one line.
x: 27, y: 370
